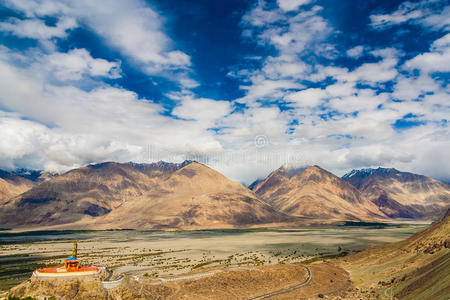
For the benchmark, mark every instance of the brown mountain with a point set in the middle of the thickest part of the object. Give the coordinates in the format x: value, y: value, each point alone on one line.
x: 12, y: 185
x: 113, y: 195
x: 195, y: 196
x: 416, y: 268
x: 402, y: 194
x: 316, y: 193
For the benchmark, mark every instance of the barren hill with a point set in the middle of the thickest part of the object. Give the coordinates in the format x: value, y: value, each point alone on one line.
x: 416, y: 268
x: 88, y: 191
x: 402, y: 194
x: 12, y: 185
x: 194, y: 196
x: 113, y: 195
x: 316, y: 193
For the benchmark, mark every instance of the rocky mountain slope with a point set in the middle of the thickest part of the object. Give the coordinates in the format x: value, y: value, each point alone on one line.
x: 191, y: 195
x: 416, y: 268
x: 402, y: 194
x: 315, y: 193
x: 159, y: 195
x: 194, y: 196
x: 12, y: 185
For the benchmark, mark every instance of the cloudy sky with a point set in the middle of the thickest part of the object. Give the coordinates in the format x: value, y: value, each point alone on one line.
x: 243, y: 86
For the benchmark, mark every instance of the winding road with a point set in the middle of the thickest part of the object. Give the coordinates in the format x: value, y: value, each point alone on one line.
x: 187, y: 277
x: 287, y: 289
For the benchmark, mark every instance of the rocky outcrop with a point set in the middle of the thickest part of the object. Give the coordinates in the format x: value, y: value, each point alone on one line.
x: 89, y: 287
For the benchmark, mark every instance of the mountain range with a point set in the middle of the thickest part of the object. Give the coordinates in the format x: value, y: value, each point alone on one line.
x: 401, y: 194
x: 315, y: 193
x: 145, y: 196
x: 191, y: 195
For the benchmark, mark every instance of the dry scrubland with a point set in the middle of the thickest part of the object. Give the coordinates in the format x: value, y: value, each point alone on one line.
x: 242, y: 283
x: 153, y: 255
x: 416, y: 268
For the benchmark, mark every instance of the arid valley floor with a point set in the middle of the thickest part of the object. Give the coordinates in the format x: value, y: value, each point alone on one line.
x: 232, y: 264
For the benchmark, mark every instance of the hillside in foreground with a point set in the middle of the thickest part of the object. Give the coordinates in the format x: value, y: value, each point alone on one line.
x: 416, y: 268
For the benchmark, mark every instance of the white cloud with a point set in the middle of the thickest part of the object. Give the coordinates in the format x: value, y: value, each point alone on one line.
x: 131, y: 27
x: 363, y: 100
x: 355, y: 52
x: 284, y: 67
x: 410, y: 88
x: 76, y: 63
x: 203, y: 110
x: 310, y: 97
x: 442, y: 43
x: 337, y: 123
x: 437, y: 60
x: 241, y: 128
x: 340, y: 89
x: 259, y: 16
x: 305, y: 28
x: 406, y: 11
x: 374, y: 73
x: 71, y: 127
x: 438, y: 21
x: 263, y: 89
x: 288, y: 5
x: 291, y: 36
x: 32, y: 145
x: 18, y: 136
x: 431, y: 14
x: 36, y: 29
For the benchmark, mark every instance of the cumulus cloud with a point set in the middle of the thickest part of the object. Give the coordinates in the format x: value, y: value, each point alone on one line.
x: 288, y: 5
x: 135, y: 29
x: 355, y: 52
x: 67, y: 126
x: 410, y: 88
x: 203, y: 110
x: 291, y: 36
x: 76, y: 63
x: 300, y: 104
x: 437, y: 60
x: 433, y: 14
x: 349, y: 117
x: 36, y: 28
x: 310, y: 97
x: 131, y: 27
x: 373, y: 73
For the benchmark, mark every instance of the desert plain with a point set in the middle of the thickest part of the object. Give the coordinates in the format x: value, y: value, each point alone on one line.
x: 161, y: 255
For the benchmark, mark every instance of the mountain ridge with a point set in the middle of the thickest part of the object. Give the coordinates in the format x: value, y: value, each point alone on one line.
x: 102, y: 194
x: 314, y: 192
x: 12, y: 185
x: 402, y: 194
x: 129, y: 195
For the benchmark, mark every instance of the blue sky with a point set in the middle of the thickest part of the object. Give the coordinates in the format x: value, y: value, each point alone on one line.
x: 243, y: 86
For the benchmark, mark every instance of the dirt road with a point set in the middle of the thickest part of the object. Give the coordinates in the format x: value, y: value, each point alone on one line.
x: 288, y: 289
